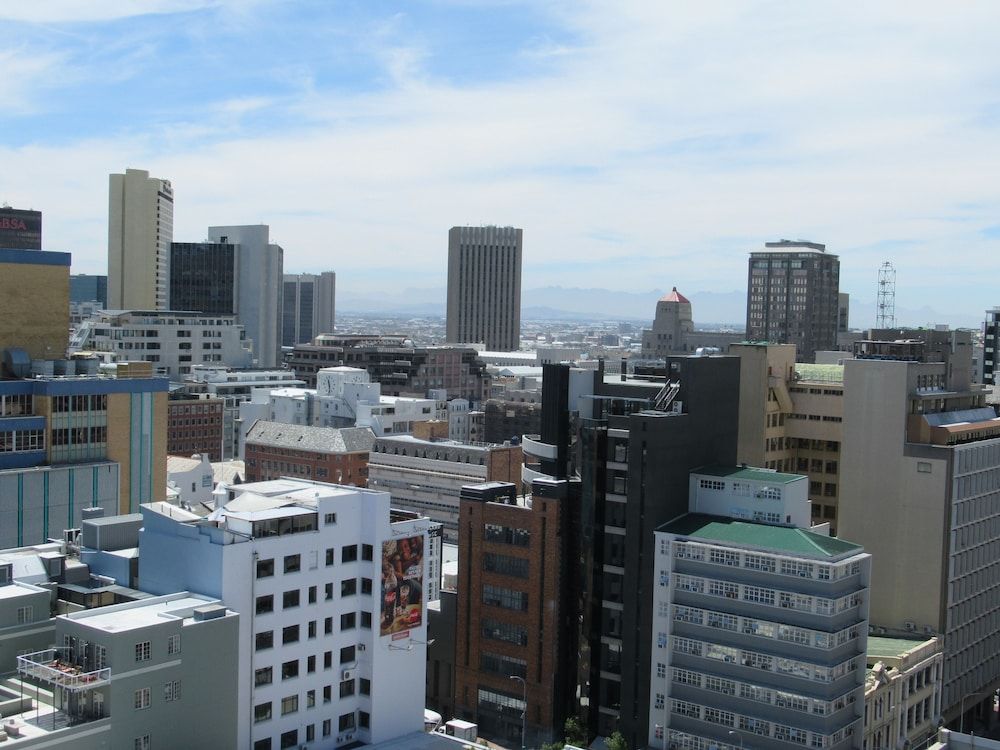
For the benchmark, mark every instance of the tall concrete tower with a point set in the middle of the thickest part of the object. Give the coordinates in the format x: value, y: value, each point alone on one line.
x: 140, y: 228
x: 484, y: 287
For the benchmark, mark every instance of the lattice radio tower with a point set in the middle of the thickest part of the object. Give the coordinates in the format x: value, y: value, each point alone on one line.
x: 886, y: 314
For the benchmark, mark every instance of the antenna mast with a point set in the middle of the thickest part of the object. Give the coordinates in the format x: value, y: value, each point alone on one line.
x: 885, y: 316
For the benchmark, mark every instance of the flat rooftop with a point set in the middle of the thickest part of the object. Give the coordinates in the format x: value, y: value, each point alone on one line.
x: 880, y: 647
x: 761, y: 536
x: 132, y: 615
x: 749, y: 473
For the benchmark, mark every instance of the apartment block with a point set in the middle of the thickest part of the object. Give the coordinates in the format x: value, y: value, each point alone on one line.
x: 173, y: 341
x: 515, y: 646
x: 394, y: 362
x: 309, y: 307
x: 140, y: 228
x: 920, y: 487
x: 484, y: 287
x: 325, y: 655
x: 427, y: 476
x: 793, y: 296
x: 132, y: 675
x: 273, y: 450
x: 758, y: 632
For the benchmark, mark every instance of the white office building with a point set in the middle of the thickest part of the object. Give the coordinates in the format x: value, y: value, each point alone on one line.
x: 174, y: 341
x: 330, y: 586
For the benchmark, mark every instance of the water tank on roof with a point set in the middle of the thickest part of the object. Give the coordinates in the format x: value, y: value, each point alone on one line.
x: 16, y: 362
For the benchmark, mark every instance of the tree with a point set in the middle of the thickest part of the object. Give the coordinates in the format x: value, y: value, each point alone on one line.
x: 616, y: 742
x: 553, y: 746
x: 575, y: 731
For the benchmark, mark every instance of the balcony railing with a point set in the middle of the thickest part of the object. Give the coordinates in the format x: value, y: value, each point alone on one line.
x: 54, y: 667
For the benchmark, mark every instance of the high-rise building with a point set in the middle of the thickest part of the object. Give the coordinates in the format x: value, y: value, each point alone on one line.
x: 87, y: 288
x: 515, y: 635
x: 759, y: 626
x: 991, y: 346
x: 140, y: 228
x: 484, y: 287
x: 20, y: 229
x: 638, y: 445
x: 793, y: 296
x: 258, y: 277
x: 308, y: 306
x: 203, y: 277
x: 920, y: 488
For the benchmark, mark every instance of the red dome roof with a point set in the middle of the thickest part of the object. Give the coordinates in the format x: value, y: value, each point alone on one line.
x: 675, y: 296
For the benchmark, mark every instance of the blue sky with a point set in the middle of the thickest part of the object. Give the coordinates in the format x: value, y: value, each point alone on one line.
x: 640, y: 145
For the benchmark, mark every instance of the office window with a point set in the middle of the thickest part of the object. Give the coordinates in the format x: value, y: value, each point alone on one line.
x: 327, y: 693
x: 311, y: 629
x: 265, y: 604
x: 289, y: 739
x: 141, y: 743
x: 261, y: 712
x: 365, y: 686
x: 289, y: 705
x: 349, y: 587
x: 349, y: 553
x: 25, y: 614
x: 312, y: 594
x: 141, y: 698
x: 265, y: 568
x: 345, y: 722
x: 348, y: 621
x: 366, y: 620
x: 327, y: 727
x: 363, y: 719
x: 347, y: 654
x: 329, y: 518
x: 327, y: 626
x: 264, y: 640
x: 330, y: 554
x: 263, y: 744
x: 311, y: 663
x: 262, y: 676
x: 366, y: 585
x: 142, y: 651
x: 290, y: 599
x: 289, y: 634
x: 327, y: 659
x: 290, y: 669
x: 310, y: 729
x: 293, y: 563
x: 366, y: 552
x: 174, y: 644
x: 346, y: 688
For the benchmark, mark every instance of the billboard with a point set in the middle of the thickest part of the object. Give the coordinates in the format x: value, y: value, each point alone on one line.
x: 20, y: 230
x: 402, y: 586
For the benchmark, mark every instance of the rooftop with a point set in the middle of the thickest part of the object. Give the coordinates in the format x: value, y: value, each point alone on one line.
x: 132, y: 615
x: 750, y: 474
x: 760, y: 536
x: 318, y: 439
x: 880, y: 647
x: 675, y: 296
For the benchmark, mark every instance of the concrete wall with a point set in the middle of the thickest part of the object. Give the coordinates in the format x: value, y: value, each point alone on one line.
x: 29, y: 276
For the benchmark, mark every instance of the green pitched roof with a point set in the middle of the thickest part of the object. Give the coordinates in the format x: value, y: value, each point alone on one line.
x: 748, y: 472
x: 759, y: 535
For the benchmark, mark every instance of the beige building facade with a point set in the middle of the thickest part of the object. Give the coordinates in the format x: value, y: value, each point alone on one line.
x: 140, y: 229
x: 902, y: 692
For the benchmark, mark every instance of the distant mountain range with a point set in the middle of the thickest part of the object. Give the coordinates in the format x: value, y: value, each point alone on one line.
x: 710, y: 309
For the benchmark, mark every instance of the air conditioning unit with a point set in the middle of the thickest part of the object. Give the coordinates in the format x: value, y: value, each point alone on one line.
x: 910, y: 626
x: 347, y: 674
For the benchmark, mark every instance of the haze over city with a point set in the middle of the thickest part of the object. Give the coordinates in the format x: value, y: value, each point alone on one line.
x: 639, y: 145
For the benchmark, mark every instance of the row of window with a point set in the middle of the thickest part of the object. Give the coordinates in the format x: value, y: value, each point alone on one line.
x: 290, y: 739
x: 506, y: 535
x: 290, y: 704
x: 758, y: 727
x: 761, y: 628
x: 769, y: 597
x: 142, y: 698
x: 144, y: 649
x: 293, y: 563
x: 80, y: 435
x: 762, y: 562
x: 757, y: 660
x: 292, y: 634
x: 498, y: 596
x: 22, y: 440
x: 61, y: 404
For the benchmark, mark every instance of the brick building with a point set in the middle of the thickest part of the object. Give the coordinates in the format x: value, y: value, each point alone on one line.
x: 195, y: 426
x: 326, y: 454
x: 516, y: 634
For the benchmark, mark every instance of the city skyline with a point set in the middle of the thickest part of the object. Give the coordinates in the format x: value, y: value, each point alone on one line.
x: 638, y: 148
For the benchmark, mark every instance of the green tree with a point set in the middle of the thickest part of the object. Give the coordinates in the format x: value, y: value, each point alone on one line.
x: 616, y: 742
x: 575, y: 731
x: 553, y: 746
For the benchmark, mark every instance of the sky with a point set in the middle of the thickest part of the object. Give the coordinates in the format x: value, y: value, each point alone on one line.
x: 640, y: 145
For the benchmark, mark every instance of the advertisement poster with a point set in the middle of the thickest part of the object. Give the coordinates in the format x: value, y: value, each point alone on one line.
x: 402, y: 585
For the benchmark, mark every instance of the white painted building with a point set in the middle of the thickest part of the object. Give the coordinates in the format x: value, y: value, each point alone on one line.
x: 330, y: 587
x: 190, y: 480
x: 174, y: 341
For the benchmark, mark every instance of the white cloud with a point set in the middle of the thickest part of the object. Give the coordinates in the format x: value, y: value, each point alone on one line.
x: 695, y: 131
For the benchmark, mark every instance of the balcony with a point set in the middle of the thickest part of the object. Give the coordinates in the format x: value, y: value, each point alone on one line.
x: 53, y: 666
x: 533, y: 446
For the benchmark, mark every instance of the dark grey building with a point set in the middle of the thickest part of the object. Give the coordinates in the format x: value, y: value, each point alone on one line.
x: 20, y: 229
x: 86, y: 288
x: 990, y: 342
x: 308, y: 307
x: 637, y: 449
x: 793, y: 296
x: 203, y: 277
x: 484, y: 287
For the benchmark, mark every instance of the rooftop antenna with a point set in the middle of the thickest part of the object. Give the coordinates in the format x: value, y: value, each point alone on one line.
x: 885, y: 316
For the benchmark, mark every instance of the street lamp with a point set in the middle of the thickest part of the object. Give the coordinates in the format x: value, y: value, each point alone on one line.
x: 524, y: 709
x: 737, y: 735
x: 961, y: 720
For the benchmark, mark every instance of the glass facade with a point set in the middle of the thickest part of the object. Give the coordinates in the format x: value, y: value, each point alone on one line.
x: 202, y: 277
